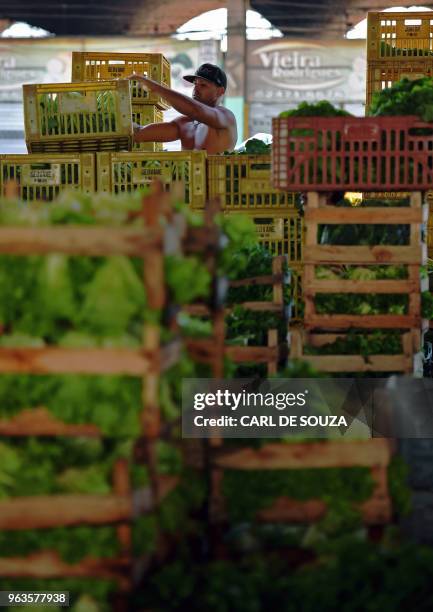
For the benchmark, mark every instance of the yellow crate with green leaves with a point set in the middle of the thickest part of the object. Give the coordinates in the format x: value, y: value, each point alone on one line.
x: 399, y: 36
x: 281, y: 232
x: 128, y: 171
x: 243, y: 182
x: 78, y: 117
x: 96, y: 66
x: 143, y: 114
x: 382, y: 74
x: 399, y: 45
x: 43, y: 177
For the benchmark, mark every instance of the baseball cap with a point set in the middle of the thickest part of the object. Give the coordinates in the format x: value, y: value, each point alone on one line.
x: 211, y: 73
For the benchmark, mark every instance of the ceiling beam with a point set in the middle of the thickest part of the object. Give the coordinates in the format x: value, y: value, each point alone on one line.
x: 287, y: 5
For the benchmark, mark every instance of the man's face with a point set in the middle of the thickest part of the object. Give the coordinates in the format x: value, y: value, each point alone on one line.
x: 206, y: 92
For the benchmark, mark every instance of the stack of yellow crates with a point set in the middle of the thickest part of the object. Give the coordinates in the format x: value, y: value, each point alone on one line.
x: 147, y: 107
x: 399, y: 45
x: 65, y: 124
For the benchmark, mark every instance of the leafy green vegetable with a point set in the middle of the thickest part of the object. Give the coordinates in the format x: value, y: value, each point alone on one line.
x: 318, y: 109
x: 187, y: 277
x: 248, y: 491
x: 405, y: 97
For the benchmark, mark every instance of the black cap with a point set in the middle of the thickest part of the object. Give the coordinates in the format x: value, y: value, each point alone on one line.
x: 211, y: 73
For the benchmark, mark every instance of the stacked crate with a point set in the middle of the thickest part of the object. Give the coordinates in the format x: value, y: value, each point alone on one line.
x: 325, y: 155
x: 147, y: 107
x: 399, y: 46
x: 128, y: 171
x: 242, y: 183
x: 64, y: 125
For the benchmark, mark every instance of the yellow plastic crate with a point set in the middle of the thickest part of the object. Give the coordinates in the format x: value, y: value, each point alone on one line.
x: 43, y: 177
x: 78, y: 117
x: 399, y: 36
x: 383, y: 73
x: 145, y: 114
x: 281, y: 232
x: 242, y: 182
x: 90, y: 66
x: 127, y: 171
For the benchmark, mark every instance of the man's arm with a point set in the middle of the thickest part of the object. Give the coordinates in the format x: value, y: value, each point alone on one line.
x: 156, y: 132
x: 217, y: 118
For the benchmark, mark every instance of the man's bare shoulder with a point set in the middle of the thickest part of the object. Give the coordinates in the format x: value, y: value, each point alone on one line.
x: 227, y: 112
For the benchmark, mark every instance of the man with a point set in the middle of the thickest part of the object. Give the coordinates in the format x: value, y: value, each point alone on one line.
x: 204, y: 123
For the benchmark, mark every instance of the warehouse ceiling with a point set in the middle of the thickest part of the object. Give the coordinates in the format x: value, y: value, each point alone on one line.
x: 296, y: 18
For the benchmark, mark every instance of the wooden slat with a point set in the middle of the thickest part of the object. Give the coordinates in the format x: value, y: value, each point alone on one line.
x: 144, y: 500
x: 319, y: 340
x: 357, y: 363
x: 360, y: 286
x: 255, y: 354
x: 197, y: 310
x: 272, y: 343
x: 48, y: 511
x: 328, y: 254
x: 92, y: 241
x: 375, y: 511
x: 199, y: 349
x: 201, y: 310
x: 345, y: 321
x: 40, y: 422
x: 277, y: 289
x: 53, y: 360
x: 262, y: 306
x: 324, y: 454
x: 267, y: 279
x: 170, y: 354
x: 370, y: 215
x: 49, y: 564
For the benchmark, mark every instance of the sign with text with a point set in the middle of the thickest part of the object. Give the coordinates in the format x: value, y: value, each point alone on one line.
x: 291, y: 71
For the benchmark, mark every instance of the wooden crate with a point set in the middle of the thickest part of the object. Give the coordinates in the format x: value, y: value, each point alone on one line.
x: 414, y: 256
x: 374, y: 454
x: 98, y: 66
x: 123, y: 504
x: 78, y: 117
x: 321, y: 329
x: 271, y: 354
x: 406, y: 362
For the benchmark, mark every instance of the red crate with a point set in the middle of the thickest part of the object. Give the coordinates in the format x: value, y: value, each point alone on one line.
x: 351, y: 153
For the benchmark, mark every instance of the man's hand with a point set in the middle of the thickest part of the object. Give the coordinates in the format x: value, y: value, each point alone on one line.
x: 143, y: 81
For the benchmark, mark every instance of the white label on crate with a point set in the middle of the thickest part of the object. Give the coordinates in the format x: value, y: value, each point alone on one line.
x: 33, y: 177
x: 77, y: 102
x: 269, y: 229
x: 385, y: 195
x: 148, y: 171
x: 412, y: 76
